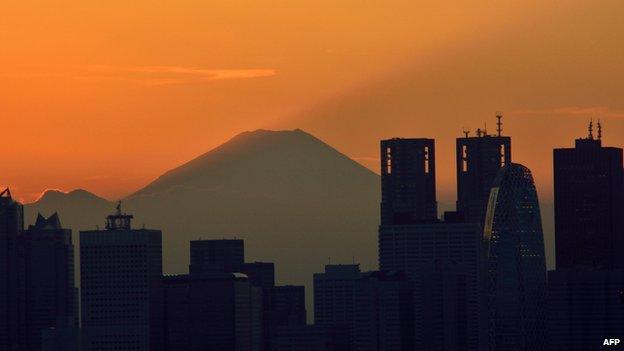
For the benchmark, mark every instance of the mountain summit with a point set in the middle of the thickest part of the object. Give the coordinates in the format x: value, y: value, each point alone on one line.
x: 294, y: 199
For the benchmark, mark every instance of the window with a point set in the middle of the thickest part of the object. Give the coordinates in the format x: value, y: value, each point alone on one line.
x: 388, y: 160
x: 464, y: 158
x: 426, y: 159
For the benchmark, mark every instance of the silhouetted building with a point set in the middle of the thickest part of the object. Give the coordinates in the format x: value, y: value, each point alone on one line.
x: 408, y: 190
x: 478, y: 160
x: 444, y: 262
x: 516, y: 263
x: 213, y: 311
x: 260, y: 274
x: 334, y: 305
x: 374, y: 308
x: 46, y: 261
x: 225, y: 255
x: 11, y: 224
x: 311, y: 338
x: 589, y: 205
x: 122, y: 295
x: 64, y: 336
x: 384, y: 314
x: 585, y: 306
x: 288, y: 305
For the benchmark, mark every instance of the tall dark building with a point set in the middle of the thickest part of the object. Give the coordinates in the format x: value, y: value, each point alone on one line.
x: 586, y: 291
x: 288, y: 305
x: 443, y: 261
x: 585, y: 306
x: 215, y: 311
x: 226, y: 255
x: 478, y: 160
x: 48, y: 295
x: 384, y: 315
x: 260, y: 274
x: 408, y: 181
x: 589, y: 205
x: 122, y: 295
x: 11, y: 224
x: 516, y: 263
x: 441, y: 256
x: 373, y: 308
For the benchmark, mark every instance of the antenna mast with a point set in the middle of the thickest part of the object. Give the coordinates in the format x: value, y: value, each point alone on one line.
x: 591, y: 129
x: 466, y: 132
x: 599, y: 130
x: 499, y: 123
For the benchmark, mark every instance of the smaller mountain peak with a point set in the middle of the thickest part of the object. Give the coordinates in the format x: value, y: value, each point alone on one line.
x: 57, y: 194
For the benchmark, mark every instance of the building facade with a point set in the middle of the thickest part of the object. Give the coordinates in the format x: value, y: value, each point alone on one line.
x: 445, y: 257
x: 478, y: 160
x: 221, y: 255
x: 585, y: 306
x: 46, y: 262
x: 121, y: 287
x: 408, y: 189
x: 215, y: 311
x: 516, y: 286
x: 11, y: 225
x: 589, y: 205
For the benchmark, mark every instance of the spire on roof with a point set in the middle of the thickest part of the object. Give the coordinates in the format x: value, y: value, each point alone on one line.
x: 52, y: 222
x: 6, y: 193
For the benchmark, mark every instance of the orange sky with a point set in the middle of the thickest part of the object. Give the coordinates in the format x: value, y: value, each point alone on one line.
x: 106, y: 95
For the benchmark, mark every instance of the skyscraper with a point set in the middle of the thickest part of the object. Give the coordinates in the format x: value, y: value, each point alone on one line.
x: 589, y: 204
x: 586, y: 291
x: 288, y: 305
x: 408, y: 181
x: 515, y: 262
x: 443, y: 261
x: 585, y: 306
x: 46, y: 261
x: 122, y: 295
x: 11, y: 224
x: 214, y: 311
x: 333, y: 295
x: 225, y: 255
x: 374, y: 308
x: 430, y: 252
x: 478, y: 160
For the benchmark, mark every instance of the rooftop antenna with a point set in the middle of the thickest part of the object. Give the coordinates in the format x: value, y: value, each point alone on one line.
x: 499, y: 123
x: 599, y: 130
x: 466, y: 132
x: 591, y: 128
x: 485, y: 129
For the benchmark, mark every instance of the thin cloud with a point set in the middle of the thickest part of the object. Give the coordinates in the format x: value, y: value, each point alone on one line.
x: 580, y: 111
x: 165, y: 75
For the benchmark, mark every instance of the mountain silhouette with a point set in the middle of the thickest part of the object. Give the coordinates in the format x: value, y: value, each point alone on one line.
x: 293, y: 199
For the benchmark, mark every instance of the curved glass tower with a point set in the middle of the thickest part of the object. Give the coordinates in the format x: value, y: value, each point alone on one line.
x: 516, y: 288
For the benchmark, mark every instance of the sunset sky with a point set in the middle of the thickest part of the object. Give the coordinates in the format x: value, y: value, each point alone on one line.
x: 107, y: 95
